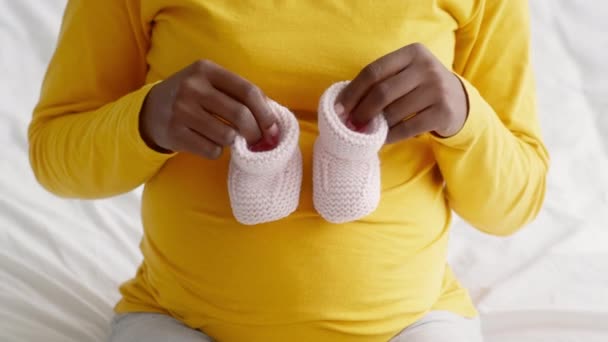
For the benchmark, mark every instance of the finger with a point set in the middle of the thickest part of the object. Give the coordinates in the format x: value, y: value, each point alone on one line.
x: 373, y: 73
x: 235, y: 113
x: 246, y: 93
x: 420, y: 123
x: 408, y: 105
x: 210, y: 127
x: 384, y: 93
x: 190, y: 141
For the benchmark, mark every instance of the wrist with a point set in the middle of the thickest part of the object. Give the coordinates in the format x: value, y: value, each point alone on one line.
x: 460, y: 115
x: 145, y: 123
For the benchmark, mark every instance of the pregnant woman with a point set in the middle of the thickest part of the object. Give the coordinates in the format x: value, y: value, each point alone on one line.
x: 351, y: 247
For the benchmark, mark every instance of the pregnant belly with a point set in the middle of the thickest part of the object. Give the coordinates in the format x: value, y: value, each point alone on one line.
x: 209, y: 271
x: 356, y: 277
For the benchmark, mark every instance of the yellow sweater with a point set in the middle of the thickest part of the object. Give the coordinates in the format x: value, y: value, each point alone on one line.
x: 301, y: 278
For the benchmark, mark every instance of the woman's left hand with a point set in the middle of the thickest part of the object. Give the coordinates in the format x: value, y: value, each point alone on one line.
x: 416, y: 93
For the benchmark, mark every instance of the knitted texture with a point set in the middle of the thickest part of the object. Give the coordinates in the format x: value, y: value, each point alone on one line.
x: 265, y: 186
x: 346, y: 167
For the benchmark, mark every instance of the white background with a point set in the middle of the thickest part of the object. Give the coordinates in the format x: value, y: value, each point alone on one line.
x: 62, y: 260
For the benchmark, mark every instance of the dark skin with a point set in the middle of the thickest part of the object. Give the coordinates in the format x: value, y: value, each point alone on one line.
x: 416, y: 93
x: 201, y: 108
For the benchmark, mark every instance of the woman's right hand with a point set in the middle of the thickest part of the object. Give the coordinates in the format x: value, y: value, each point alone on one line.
x: 201, y: 108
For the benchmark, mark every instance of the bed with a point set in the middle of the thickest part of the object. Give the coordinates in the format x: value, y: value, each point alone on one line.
x: 62, y: 260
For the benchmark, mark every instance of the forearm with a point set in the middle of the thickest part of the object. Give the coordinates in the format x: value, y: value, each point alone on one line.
x: 495, y: 178
x: 93, y: 154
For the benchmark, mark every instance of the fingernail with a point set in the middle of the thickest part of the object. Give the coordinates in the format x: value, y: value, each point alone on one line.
x: 357, y: 127
x: 350, y: 124
x: 339, y: 108
x: 272, y: 131
x: 272, y: 135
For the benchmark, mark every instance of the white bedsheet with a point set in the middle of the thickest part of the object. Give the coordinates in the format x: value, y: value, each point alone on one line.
x: 61, y: 261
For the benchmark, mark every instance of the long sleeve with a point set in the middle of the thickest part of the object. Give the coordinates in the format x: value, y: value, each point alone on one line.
x: 84, y: 136
x: 495, y: 167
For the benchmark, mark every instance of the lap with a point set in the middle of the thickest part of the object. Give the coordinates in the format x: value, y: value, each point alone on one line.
x: 442, y: 326
x: 437, y: 326
x: 151, y: 327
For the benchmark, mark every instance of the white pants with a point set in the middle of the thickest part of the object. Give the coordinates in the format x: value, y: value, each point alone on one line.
x: 437, y: 326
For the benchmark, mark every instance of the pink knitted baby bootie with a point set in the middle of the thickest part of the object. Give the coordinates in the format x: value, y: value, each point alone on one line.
x: 264, y: 186
x: 346, y: 167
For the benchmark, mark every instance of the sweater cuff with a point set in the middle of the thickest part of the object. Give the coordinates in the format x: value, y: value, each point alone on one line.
x: 477, y: 120
x: 131, y: 131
